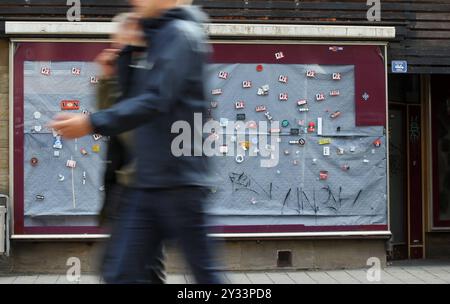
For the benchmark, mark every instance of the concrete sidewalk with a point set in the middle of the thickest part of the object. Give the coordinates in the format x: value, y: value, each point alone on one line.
x: 409, y: 272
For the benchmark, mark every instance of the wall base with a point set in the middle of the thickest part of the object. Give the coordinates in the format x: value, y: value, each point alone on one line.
x: 51, y: 257
x: 438, y: 245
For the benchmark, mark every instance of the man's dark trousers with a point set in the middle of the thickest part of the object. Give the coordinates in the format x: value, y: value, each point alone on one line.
x: 151, y: 217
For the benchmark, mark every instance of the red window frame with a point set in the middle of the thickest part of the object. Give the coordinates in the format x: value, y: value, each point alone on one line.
x: 41, y: 51
x: 370, y: 76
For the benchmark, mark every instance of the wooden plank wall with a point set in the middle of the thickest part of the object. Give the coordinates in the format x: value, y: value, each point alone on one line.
x: 423, y: 26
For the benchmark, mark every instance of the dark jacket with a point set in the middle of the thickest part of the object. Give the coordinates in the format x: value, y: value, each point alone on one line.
x: 166, y: 86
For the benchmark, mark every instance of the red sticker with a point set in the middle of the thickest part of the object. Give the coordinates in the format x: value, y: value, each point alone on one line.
x: 34, y: 161
x: 302, y: 102
x: 377, y: 143
x: 70, y: 105
x: 261, y: 108
x: 335, y: 93
x: 323, y: 175
x: 259, y: 68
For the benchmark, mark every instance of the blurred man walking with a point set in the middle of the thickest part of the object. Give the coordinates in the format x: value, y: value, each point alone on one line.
x: 168, y: 192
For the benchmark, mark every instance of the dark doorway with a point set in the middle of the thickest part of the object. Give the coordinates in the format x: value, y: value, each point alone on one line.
x: 405, y: 167
x: 398, y: 182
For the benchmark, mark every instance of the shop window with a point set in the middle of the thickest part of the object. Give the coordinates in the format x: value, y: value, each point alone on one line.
x: 441, y: 150
x: 323, y: 168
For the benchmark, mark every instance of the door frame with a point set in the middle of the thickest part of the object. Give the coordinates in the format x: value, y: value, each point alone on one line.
x: 412, y: 250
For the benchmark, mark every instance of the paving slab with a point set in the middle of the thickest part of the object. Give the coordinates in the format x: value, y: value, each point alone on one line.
x: 25, y: 279
x: 280, y: 278
x: 46, y: 279
x: 301, y: 278
x: 237, y: 278
x: 176, y: 279
x: 259, y: 278
x: 342, y: 277
x: 321, y: 277
x: 403, y: 275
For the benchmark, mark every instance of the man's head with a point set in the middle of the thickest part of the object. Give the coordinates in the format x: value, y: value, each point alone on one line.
x: 153, y: 8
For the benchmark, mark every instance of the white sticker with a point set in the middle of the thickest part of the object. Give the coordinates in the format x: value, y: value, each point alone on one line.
x: 223, y: 149
x: 283, y: 96
x: 37, y: 115
x: 45, y: 71
x: 283, y: 79
x: 246, y: 84
x: 239, y: 158
x: 320, y: 96
x: 279, y: 55
x: 240, y: 104
x: 71, y: 163
x: 310, y: 74
x: 319, y: 125
x: 216, y: 92
x: 326, y: 151
x: 223, y: 122
x: 76, y: 71
x: 57, y: 144
x: 336, y: 76
x: 223, y: 75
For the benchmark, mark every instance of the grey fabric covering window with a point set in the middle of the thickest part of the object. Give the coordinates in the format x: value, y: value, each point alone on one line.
x: 248, y: 194
x: 353, y: 197
x: 69, y: 198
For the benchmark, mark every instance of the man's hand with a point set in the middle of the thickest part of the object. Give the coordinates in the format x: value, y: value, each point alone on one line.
x: 71, y: 125
x: 107, y: 61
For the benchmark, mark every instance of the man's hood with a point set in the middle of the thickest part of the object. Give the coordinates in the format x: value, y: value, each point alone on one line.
x: 188, y: 13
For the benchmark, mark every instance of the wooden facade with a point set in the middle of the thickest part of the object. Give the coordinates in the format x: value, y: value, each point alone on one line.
x: 422, y: 26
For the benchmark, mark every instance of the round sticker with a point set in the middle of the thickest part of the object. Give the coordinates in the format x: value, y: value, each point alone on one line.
x: 37, y: 115
x: 34, y: 161
x: 259, y: 68
x: 239, y: 159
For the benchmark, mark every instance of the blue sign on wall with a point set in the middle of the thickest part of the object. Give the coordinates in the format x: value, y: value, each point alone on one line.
x: 399, y: 66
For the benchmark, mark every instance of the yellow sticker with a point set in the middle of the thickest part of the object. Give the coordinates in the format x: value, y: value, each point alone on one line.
x: 245, y: 145
x: 96, y: 148
x: 325, y: 141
